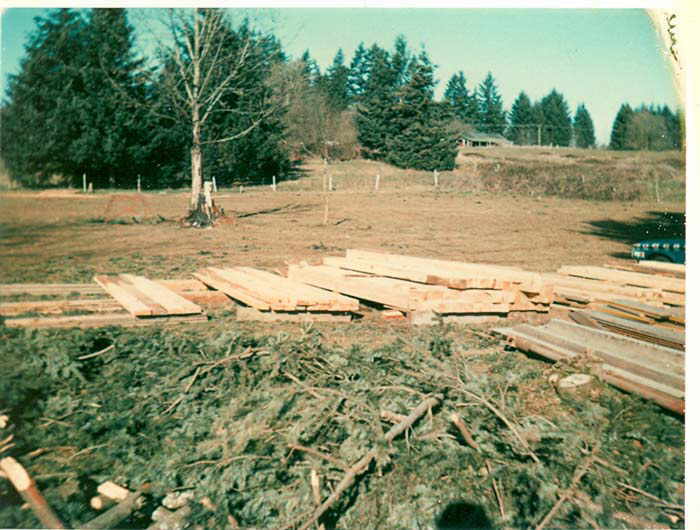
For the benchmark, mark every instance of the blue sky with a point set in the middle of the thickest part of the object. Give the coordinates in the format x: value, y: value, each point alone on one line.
x: 600, y: 57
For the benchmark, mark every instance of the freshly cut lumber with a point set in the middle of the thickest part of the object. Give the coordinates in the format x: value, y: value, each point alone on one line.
x: 673, y: 270
x: 209, y: 298
x: 431, y: 276
x: 524, y: 280
x: 96, y: 321
x: 626, y: 278
x: 676, y: 315
x: 212, y: 277
x: 173, y: 303
x: 665, y: 371
x: 183, y: 285
x: 133, y: 301
x: 252, y: 314
x: 99, y: 305
x: 671, y: 397
x: 601, y: 290
x: 40, y: 289
x: 400, y: 294
x: 645, y: 332
x: 266, y: 291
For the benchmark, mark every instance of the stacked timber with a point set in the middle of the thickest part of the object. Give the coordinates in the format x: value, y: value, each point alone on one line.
x: 603, y: 283
x: 422, y: 288
x: 652, y: 371
x: 268, y: 296
x: 127, y: 301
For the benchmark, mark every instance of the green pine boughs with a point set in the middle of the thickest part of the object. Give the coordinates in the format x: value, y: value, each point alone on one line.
x: 247, y: 421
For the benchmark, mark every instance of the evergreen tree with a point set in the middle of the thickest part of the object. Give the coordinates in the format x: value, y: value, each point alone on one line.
x: 41, y: 117
x: 401, y: 61
x: 112, y: 145
x: 492, y: 117
x: 359, y: 73
x: 336, y: 83
x: 421, y: 140
x: 463, y: 104
x: 673, y: 127
x: 556, y: 128
x: 374, y: 119
x: 311, y: 69
x: 618, y: 136
x: 583, y: 128
x: 521, y: 130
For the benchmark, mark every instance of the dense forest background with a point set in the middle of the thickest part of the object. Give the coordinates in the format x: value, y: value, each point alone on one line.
x: 87, y: 100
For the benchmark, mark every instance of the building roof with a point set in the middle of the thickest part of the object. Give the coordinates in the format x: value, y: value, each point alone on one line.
x: 485, y: 137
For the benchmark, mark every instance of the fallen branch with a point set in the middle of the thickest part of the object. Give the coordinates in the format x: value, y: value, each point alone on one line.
x: 112, y: 517
x: 584, y: 500
x: 466, y: 435
x: 26, y: 487
x: 653, y: 497
x: 505, y: 420
x: 337, y: 463
x: 581, y: 470
x: 91, y: 355
x: 362, y: 464
x: 499, y: 498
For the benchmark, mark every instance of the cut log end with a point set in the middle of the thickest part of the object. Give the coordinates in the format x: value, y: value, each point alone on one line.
x: 579, y: 387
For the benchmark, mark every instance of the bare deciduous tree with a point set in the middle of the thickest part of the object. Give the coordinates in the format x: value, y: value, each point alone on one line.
x: 204, y: 61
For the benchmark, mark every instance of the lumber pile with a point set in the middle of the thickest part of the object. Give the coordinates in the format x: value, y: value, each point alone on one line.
x: 652, y: 371
x: 646, y: 306
x: 171, y: 301
x: 268, y: 296
x: 422, y: 287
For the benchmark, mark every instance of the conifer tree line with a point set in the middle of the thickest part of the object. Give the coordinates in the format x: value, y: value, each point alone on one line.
x: 648, y: 127
x: 224, y: 100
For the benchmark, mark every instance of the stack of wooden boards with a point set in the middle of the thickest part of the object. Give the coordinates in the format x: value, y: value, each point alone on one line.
x: 124, y: 300
x: 424, y: 287
x: 268, y: 296
x: 645, y: 305
x: 650, y: 370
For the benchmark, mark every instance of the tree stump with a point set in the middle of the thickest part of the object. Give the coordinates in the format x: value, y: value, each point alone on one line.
x: 577, y: 387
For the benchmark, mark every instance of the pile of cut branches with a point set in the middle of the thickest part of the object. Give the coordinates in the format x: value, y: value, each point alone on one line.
x: 286, y: 431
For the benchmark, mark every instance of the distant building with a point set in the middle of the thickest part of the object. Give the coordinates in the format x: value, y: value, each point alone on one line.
x: 477, y: 139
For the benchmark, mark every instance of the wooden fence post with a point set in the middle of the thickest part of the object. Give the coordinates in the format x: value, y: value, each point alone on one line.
x: 274, y: 182
x: 138, y: 183
x: 84, y: 183
x: 435, y: 178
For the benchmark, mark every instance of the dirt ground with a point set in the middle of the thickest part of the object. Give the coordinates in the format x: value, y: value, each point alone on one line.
x: 50, y: 237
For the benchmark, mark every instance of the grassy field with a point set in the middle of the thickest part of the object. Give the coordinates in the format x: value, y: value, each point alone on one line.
x: 215, y: 407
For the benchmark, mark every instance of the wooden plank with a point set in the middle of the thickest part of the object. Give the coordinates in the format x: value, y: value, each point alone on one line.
x: 209, y: 298
x: 673, y: 270
x: 625, y: 277
x: 305, y: 295
x: 183, y: 285
x: 643, y: 331
x: 239, y: 292
x: 356, y: 285
x: 173, y: 303
x: 59, y: 306
x: 664, y: 372
x: 127, y: 296
x: 260, y: 289
x: 95, y: 321
x: 663, y: 395
x: 525, y: 280
x: 426, y: 275
x: 602, y: 290
x: 252, y: 314
x: 40, y: 289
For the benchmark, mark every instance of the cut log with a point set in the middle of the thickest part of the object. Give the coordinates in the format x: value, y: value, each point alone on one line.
x: 578, y: 387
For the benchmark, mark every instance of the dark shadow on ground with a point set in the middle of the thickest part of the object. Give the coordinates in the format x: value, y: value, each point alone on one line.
x: 654, y: 225
x: 281, y: 209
